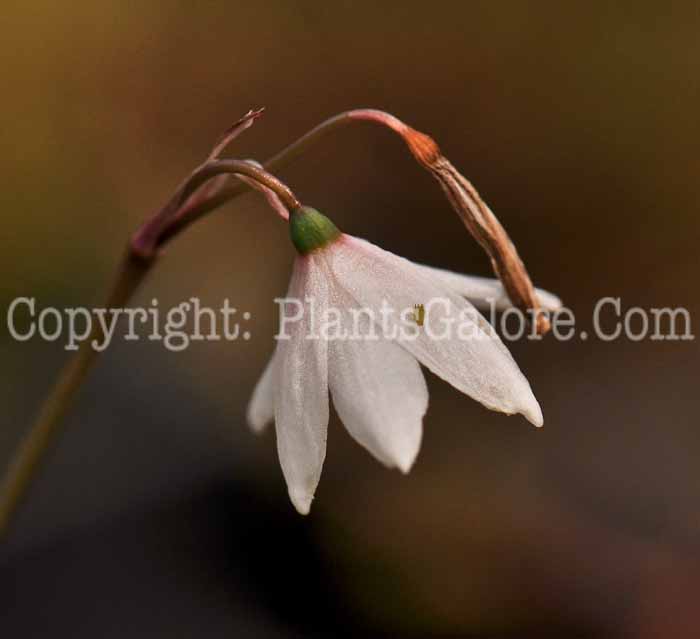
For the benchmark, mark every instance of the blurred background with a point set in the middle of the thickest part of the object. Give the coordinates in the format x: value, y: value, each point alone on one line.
x: 159, y: 514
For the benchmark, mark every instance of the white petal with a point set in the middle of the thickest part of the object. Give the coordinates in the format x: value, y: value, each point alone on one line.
x: 480, y: 366
x: 261, y: 408
x: 480, y: 291
x: 301, y: 393
x: 378, y: 390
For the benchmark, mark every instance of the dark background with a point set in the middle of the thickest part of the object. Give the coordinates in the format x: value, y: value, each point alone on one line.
x: 160, y: 514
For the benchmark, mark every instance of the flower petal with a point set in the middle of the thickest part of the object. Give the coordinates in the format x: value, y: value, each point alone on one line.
x: 479, y: 366
x: 261, y: 408
x: 480, y: 291
x: 378, y: 390
x: 301, y: 393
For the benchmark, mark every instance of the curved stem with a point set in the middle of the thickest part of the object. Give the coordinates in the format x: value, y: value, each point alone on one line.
x: 296, y: 148
x: 228, y: 191
x: 151, y: 234
x: 43, y: 432
x: 292, y: 151
x: 259, y: 175
x: 140, y: 256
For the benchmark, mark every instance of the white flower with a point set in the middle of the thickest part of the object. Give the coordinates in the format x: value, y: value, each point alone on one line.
x: 377, y: 386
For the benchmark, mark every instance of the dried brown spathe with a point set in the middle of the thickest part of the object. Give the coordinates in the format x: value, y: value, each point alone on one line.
x: 481, y: 223
x: 473, y: 211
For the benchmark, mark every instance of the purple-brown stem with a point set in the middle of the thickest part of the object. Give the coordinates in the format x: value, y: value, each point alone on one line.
x: 201, y: 192
x: 146, y: 240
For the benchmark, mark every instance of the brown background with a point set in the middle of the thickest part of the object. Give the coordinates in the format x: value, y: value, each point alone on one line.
x: 160, y: 514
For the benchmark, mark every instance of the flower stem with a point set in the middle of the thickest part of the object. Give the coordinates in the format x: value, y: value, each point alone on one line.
x: 43, y: 432
x: 141, y: 254
x: 164, y: 224
x: 226, y: 191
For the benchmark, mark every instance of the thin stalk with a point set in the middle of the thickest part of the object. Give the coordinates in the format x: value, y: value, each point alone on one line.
x: 141, y: 255
x: 38, y: 440
x: 227, y: 191
x: 159, y: 228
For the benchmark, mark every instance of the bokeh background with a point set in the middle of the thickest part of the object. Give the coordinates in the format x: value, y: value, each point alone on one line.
x: 159, y: 514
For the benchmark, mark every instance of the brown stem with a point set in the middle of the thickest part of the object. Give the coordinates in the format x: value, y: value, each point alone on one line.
x: 225, y: 191
x: 151, y: 235
x: 139, y: 259
x: 46, y: 427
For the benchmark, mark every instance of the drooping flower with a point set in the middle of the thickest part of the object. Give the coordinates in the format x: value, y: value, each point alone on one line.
x: 373, y: 372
